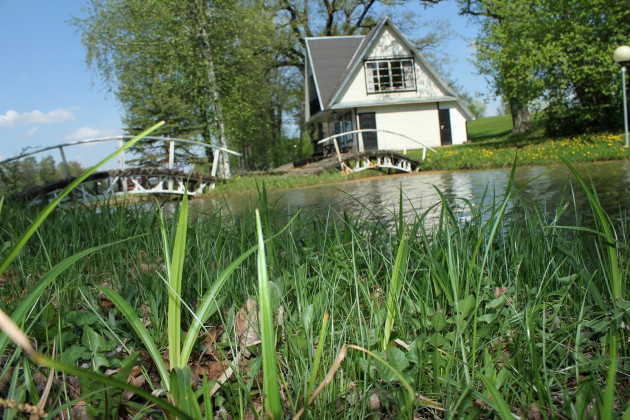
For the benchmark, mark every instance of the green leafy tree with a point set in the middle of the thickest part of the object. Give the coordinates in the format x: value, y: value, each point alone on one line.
x: 555, y: 52
x: 20, y: 175
x: 173, y: 60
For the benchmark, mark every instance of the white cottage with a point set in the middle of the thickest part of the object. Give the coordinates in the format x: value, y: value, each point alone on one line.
x: 379, y: 81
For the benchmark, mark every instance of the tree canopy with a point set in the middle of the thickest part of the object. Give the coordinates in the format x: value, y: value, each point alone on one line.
x: 556, y: 55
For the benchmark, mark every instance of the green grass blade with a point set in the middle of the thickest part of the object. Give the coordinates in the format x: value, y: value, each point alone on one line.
x: 136, y: 324
x: 271, y: 388
x: 318, y: 355
x: 51, y: 206
x: 616, y: 283
x: 410, y: 394
x: 497, y: 217
x: 11, y: 329
x: 19, y: 314
x: 497, y: 402
x: 207, y: 399
x: 174, y: 411
x: 611, y: 385
x: 166, y: 250
x: 183, y: 395
x: 395, y: 286
x: 208, y: 302
x: 174, y: 323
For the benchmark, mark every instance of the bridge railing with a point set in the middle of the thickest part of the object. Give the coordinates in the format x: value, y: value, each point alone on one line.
x: 121, y: 157
x: 334, y: 138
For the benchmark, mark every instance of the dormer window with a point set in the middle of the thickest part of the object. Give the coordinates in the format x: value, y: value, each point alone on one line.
x: 392, y: 75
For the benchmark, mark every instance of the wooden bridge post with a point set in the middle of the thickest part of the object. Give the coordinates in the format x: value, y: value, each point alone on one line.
x: 121, y: 156
x: 338, y: 153
x: 171, y: 154
x: 65, y: 162
x: 171, y: 162
x: 215, y: 163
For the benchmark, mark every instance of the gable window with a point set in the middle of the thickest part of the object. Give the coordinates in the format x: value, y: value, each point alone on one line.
x: 390, y: 75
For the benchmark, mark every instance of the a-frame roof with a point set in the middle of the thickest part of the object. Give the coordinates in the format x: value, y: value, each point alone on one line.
x: 329, y: 58
x: 335, y: 60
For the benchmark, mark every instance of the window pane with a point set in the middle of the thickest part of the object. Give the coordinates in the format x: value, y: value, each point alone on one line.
x: 389, y: 75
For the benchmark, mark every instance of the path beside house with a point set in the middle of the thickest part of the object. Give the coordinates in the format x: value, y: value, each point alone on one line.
x: 310, y: 168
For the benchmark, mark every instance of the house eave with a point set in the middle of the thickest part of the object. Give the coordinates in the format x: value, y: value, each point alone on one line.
x: 389, y: 102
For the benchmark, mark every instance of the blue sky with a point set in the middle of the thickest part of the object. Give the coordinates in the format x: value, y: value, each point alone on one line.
x: 49, y: 96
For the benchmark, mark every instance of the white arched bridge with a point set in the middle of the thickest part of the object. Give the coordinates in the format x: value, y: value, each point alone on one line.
x: 158, y: 176
x: 384, y: 158
x: 163, y: 174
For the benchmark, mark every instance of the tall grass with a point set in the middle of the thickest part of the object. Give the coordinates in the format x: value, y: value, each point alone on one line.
x: 508, y: 312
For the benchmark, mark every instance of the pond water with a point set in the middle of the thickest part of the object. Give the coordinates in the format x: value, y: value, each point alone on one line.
x: 546, y: 186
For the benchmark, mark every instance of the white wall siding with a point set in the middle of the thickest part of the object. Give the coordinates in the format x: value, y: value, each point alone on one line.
x: 458, y: 126
x: 419, y: 122
x: 389, y: 46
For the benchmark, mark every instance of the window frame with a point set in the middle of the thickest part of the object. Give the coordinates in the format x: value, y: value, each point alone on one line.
x: 386, y: 76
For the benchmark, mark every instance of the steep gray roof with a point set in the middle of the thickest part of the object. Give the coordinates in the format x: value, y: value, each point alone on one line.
x: 329, y: 57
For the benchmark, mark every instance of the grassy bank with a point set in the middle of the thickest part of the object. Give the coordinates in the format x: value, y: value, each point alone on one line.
x: 492, y: 146
x: 487, y: 317
x: 248, y: 183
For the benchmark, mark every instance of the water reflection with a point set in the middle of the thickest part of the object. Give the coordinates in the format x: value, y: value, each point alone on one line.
x: 545, y: 186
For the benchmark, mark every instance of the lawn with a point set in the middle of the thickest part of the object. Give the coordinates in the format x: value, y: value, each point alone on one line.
x: 328, y: 316
x: 492, y: 145
x: 490, y: 128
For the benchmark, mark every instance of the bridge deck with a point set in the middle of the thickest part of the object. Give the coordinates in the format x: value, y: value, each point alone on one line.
x: 128, y: 181
x: 367, y: 160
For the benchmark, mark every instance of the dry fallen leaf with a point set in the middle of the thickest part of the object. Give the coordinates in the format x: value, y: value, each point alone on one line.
x: 375, y: 402
x: 211, y: 338
x: 246, y: 324
x: 137, y: 379
x: 146, y: 314
x: 5, y: 379
x: 79, y: 411
x: 534, y: 413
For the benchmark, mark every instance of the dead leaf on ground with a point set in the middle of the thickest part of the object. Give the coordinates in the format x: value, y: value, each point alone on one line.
x: 215, y: 370
x: 146, y: 315
x: 375, y: 402
x: 135, y: 378
x: 5, y: 379
x: 79, y: 411
x: 246, y: 324
x: 145, y: 266
x: 534, y: 413
x: 258, y: 406
x: 211, y: 338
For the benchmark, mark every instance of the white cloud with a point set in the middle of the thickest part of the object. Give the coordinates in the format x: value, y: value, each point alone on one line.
x: 31, y: 132
x: 83, y: 133
x: 12, y: 118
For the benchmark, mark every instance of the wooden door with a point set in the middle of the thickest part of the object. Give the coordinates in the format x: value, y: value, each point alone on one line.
x: 367, y: 121
x: 446, y: 136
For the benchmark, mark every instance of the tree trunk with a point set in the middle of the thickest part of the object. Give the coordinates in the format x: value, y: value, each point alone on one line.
x: 223, y: 169
x: 520, y: 117
x: 224, y: 159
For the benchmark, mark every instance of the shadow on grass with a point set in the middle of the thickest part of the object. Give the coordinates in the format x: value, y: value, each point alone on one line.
x: 491, y: 136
